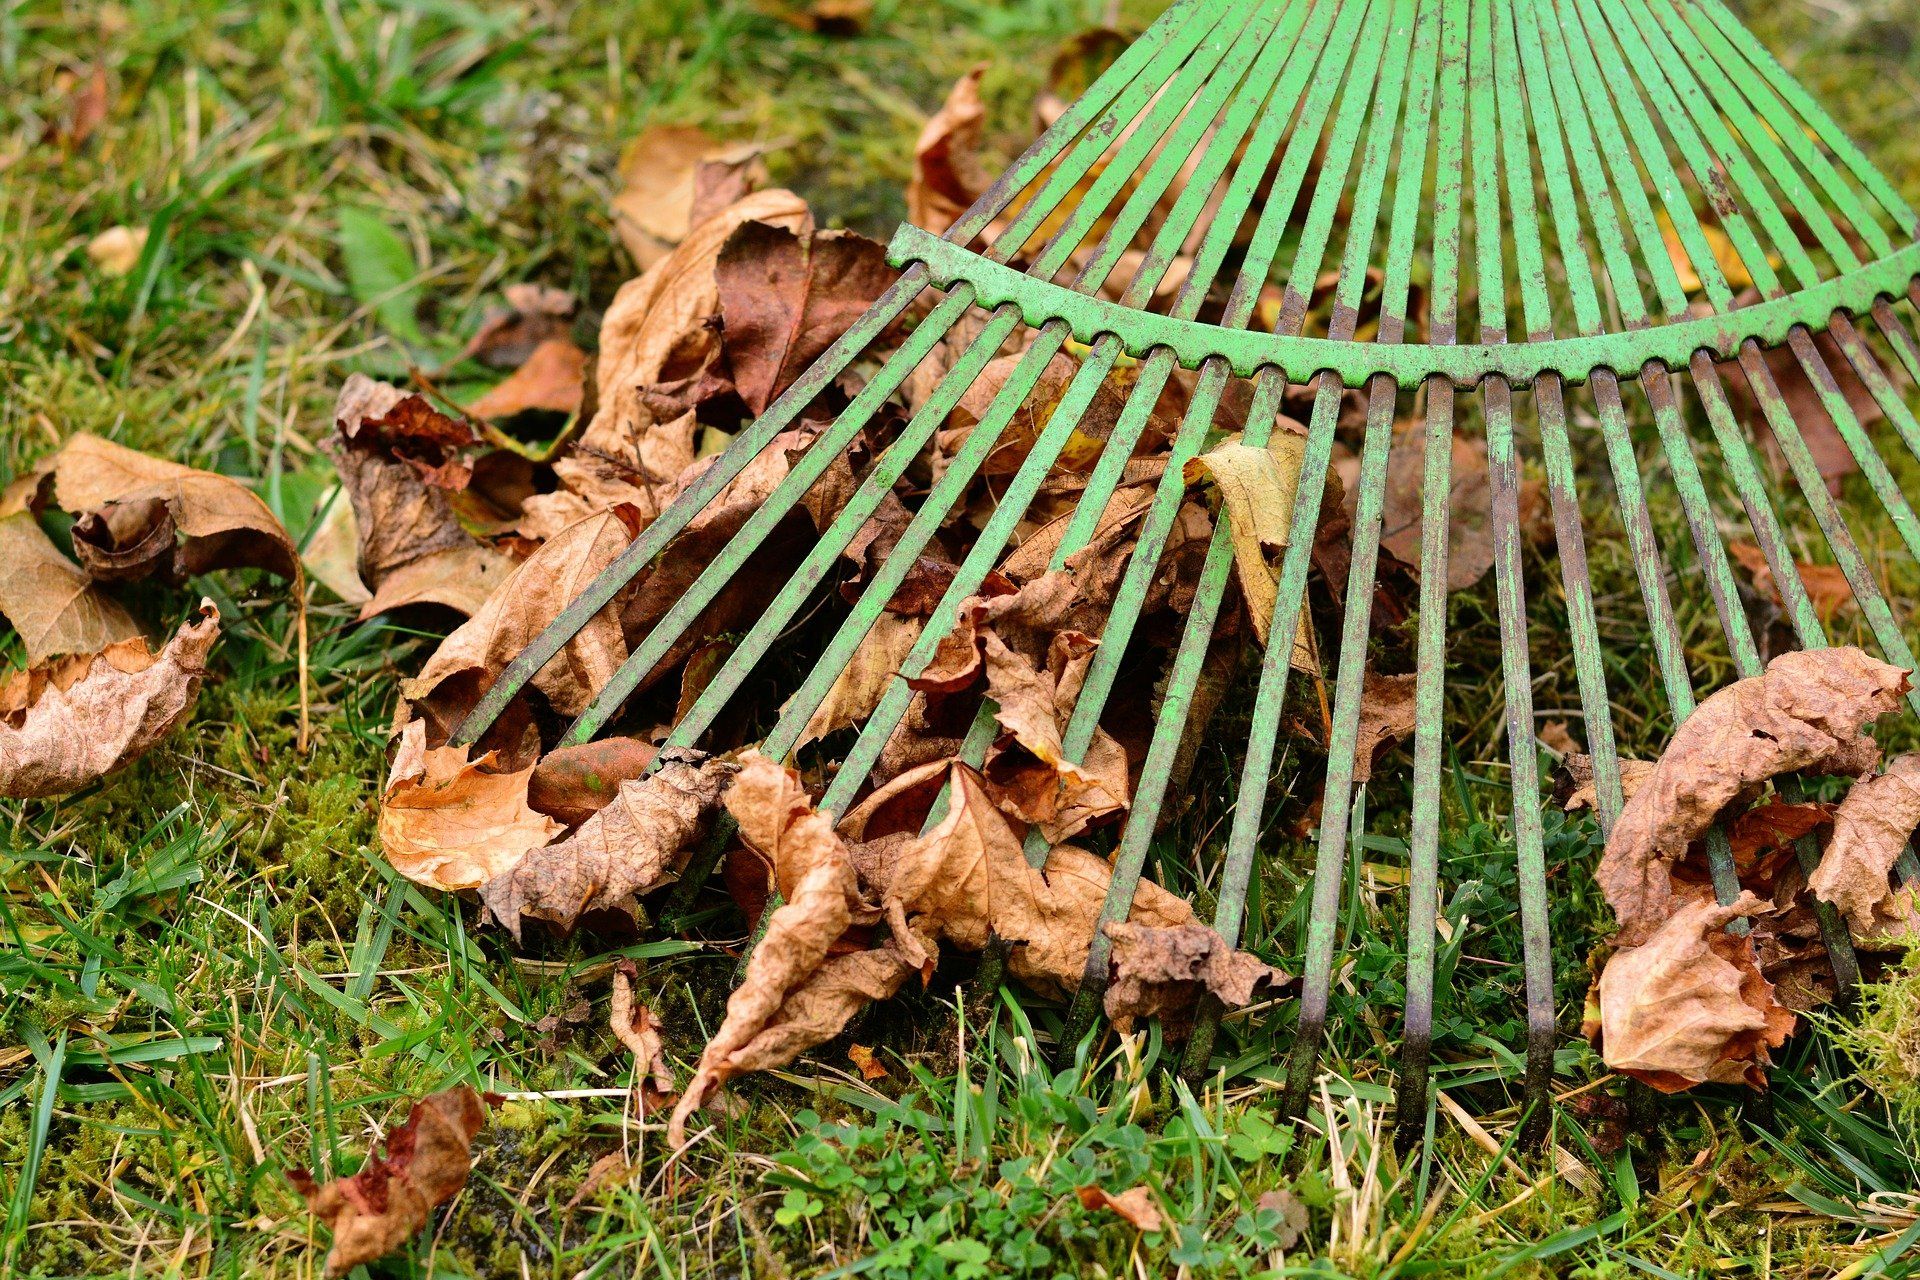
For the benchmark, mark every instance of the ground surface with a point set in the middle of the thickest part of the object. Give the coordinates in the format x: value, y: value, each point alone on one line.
x: 233, y: 983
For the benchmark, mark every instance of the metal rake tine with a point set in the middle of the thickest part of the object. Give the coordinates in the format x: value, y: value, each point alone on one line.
x: 669, y: 629
x: 1357, y: 112
x: 1436, y: 522
x: 1170, y: 33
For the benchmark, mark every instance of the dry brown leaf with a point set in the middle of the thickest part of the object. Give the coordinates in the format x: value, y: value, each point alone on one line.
x: 52, y: 604
x: 1871, y: 827
x: 634, y: 845
x: 634, y: 1026
x: 1135, y: 1204
x: 947, y: 172
x: 332, y: 551
x: 1831, y: 456
x: 822, y: 17
x: 868, y: 1062
x: 449, y: 822
x: 552, y: 380
x: 572, y: 783
x: 87, y: 107
x: 1164, y: 972
x: 393, y: 1196
x: 1557, y: 738
x: 401, y: 462
x: 659, y: 174
x: 969, y: 878
x: 1827, y: 587
x: 1805, y: 712
x: 1386, y: 717
x: 532, y: 596
x: 1469, y: 531
x: 1690, y: 1005
x: 123, y: 500
x: 786, y: 296
x: 117, y: 250
x: 81, y: 716
x: 857, y: 690
x: 1257, y: 488
x: 1293, y: 1215
x: 610, y: 1169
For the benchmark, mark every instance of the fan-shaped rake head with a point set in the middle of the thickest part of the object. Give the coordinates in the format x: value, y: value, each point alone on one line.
x: 1582, y: 184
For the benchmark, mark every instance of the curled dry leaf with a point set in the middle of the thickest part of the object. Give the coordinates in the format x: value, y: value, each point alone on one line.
x: 1690, y: 1006
x: 427, y: 1161
x: 1134, y: 1204
x: 1469, y: 530
x: 53, y: 606
x: 786, y: 295
x: 77, y: 718
x: 947, y: 172
x: 660, y: 176
x: 128, y: 507
x: 1806, y: 711
x: 794, y: 995
x: 1871, y: 827
x: 634, y: 845
x: 532, y: 596
x: 634, y: 1026
x: 1163, y: 972
x: 535, y: 314
x: 401, y: 461
x: 867, y: 1061
x: 450, y: 822
x: 1574, y: 788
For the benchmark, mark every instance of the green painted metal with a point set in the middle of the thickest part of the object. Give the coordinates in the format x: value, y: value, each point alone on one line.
x: 1302, y: 359
x: 1573, y: 140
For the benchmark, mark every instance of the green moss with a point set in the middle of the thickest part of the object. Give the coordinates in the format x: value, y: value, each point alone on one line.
x: 1884, y: 1038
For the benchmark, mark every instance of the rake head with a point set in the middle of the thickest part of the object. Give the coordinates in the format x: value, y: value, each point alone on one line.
x: 1619, y: 169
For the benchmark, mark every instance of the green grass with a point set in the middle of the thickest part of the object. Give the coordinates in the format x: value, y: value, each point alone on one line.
x: 208, y: 975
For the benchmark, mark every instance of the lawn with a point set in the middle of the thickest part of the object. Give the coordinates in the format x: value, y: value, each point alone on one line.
x: 209, y: 975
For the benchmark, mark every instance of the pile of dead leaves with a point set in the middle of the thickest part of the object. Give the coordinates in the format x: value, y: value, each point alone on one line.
x: 96, y: 693
x: 1683, y: 999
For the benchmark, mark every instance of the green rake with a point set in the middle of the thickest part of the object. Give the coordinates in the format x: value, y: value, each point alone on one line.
x: 1425, y: 125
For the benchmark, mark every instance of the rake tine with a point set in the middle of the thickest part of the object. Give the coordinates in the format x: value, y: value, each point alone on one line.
x: 820, y: 561
x: 1166, y: 43
x: 1436, y: 522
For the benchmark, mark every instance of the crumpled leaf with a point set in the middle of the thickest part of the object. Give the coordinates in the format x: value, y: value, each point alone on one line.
x: 659, y: 329
x: 1871, y: 827
x: 1574, y: 788
x: 427, y: 1160
x: 787, y: 295
x: 124, y: 501
x: 661, y: 175
x: 54, y: 606
x: 793, y: 996
x: 634, y: 845
x: 551, y: 380
x: 947, y: 172
x: 867, y: 1062
x: 1163, y: 972
x: 1386, y: 717
x: 450, y: 822
x: 1257, y: 488
x: 1690, y: 1005
x: 1135, y: 1204
x: 1805, y: 711
x: 634, y: 1026
x: 77, y: 718
x: 401, y: 462
x: 533, y: 595
x: 969, y: 878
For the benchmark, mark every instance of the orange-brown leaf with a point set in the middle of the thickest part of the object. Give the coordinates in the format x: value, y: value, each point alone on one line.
x: 449, y: 822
